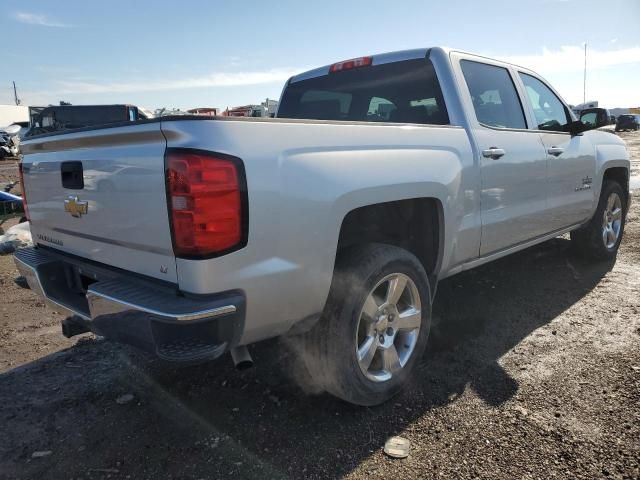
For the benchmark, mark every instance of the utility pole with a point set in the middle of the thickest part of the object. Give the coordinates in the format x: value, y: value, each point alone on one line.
x: 15, y: 94
x: 584, y: 85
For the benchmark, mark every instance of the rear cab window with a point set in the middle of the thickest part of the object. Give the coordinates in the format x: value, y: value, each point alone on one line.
x: 400, y: 92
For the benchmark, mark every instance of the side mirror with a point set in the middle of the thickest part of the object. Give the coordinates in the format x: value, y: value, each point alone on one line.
x: 577, y: 127
x: 594, y: 118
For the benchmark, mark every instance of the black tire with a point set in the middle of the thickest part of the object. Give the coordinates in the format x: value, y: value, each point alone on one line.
x: 588, y: 240
x: 330, y: 347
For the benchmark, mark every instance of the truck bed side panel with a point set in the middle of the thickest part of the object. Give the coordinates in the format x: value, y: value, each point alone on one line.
x: 303, y: 179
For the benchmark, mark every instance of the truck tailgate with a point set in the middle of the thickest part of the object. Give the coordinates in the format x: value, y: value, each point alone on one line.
x: 101, y: 195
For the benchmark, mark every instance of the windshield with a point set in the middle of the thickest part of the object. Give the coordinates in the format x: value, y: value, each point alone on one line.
x: 399, y: 92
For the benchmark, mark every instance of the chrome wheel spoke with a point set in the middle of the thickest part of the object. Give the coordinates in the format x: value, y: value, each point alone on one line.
x: 616, y: 214
x: 370, y: 308
x: 396, y: 288
x: 367, y: 351
x: 409, y: 319
x: 390, y: 360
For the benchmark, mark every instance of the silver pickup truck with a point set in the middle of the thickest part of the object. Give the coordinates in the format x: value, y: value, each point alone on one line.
x: 193, y: 236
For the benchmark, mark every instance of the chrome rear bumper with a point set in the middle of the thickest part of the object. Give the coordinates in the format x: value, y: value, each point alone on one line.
x: 130, y: 309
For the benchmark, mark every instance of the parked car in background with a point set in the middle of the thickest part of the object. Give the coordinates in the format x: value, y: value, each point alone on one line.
x: 23, y: 127
x: 333, y: 222
x: 10, y: 141
x: 627, y: 122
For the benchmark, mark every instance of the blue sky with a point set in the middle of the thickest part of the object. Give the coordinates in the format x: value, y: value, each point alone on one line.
x: 224, y: 53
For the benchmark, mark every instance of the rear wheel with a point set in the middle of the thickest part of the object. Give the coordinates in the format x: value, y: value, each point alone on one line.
x: 375, y: 325
x: 601, y: 237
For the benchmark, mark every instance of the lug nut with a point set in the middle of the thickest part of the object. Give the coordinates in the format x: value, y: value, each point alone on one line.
x: 389, y: 331
x: 381, y: 338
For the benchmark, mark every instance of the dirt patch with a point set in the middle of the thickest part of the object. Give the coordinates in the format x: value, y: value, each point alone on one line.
x: 532, y: 371
x: 9, y: 174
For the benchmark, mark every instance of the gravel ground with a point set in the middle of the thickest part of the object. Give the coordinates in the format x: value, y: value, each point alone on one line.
x: 532, y: 371
x: 9, y: 173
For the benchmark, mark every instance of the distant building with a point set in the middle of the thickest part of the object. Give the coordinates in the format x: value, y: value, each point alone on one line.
x: 583, y: 106
x: 623, y: 111
x: 246, y: 111
x: 271, y: 107
x: 13, y: 113
x: 267, y: 108
x: 164, y: 112
x: 209, y: 111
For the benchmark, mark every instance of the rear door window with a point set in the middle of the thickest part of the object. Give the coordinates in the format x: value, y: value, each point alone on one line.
x: 494, y: 96
x: 398, y: 92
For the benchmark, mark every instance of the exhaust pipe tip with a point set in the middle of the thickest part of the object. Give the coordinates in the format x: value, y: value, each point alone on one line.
x: 241, y: 357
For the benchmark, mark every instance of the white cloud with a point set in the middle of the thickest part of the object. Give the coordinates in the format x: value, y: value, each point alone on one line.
x: 570, y: 58
x: 38, y: 19
x: 563, y: 67
x: 221, y: 79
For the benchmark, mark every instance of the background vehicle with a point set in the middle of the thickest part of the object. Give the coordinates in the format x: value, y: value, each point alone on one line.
x: 56, y: 118
x: 10, y: 206
x: 10, y: 141
x: 332, y: 223
x: 627, y: 122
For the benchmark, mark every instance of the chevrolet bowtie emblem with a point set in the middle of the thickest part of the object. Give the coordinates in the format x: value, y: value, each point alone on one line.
x: 75, y: 207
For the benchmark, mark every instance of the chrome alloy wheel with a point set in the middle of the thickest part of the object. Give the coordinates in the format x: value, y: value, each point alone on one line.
x: 388, y: 327
x: 612, y: 220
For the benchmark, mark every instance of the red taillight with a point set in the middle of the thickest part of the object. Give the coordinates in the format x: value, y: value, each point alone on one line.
x: 205, y: 203
x: 24, y: 192
x: 350, y: 64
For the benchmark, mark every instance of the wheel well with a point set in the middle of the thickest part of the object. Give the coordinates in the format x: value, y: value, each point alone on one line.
x: 413, y: 224
x: 618, y: 174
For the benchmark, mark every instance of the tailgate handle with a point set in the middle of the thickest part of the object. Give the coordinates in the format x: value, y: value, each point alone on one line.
x: 72, y: 176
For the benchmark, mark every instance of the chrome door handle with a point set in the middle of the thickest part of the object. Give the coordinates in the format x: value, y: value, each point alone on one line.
x: 555, y: 151
x: 493, y: 153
